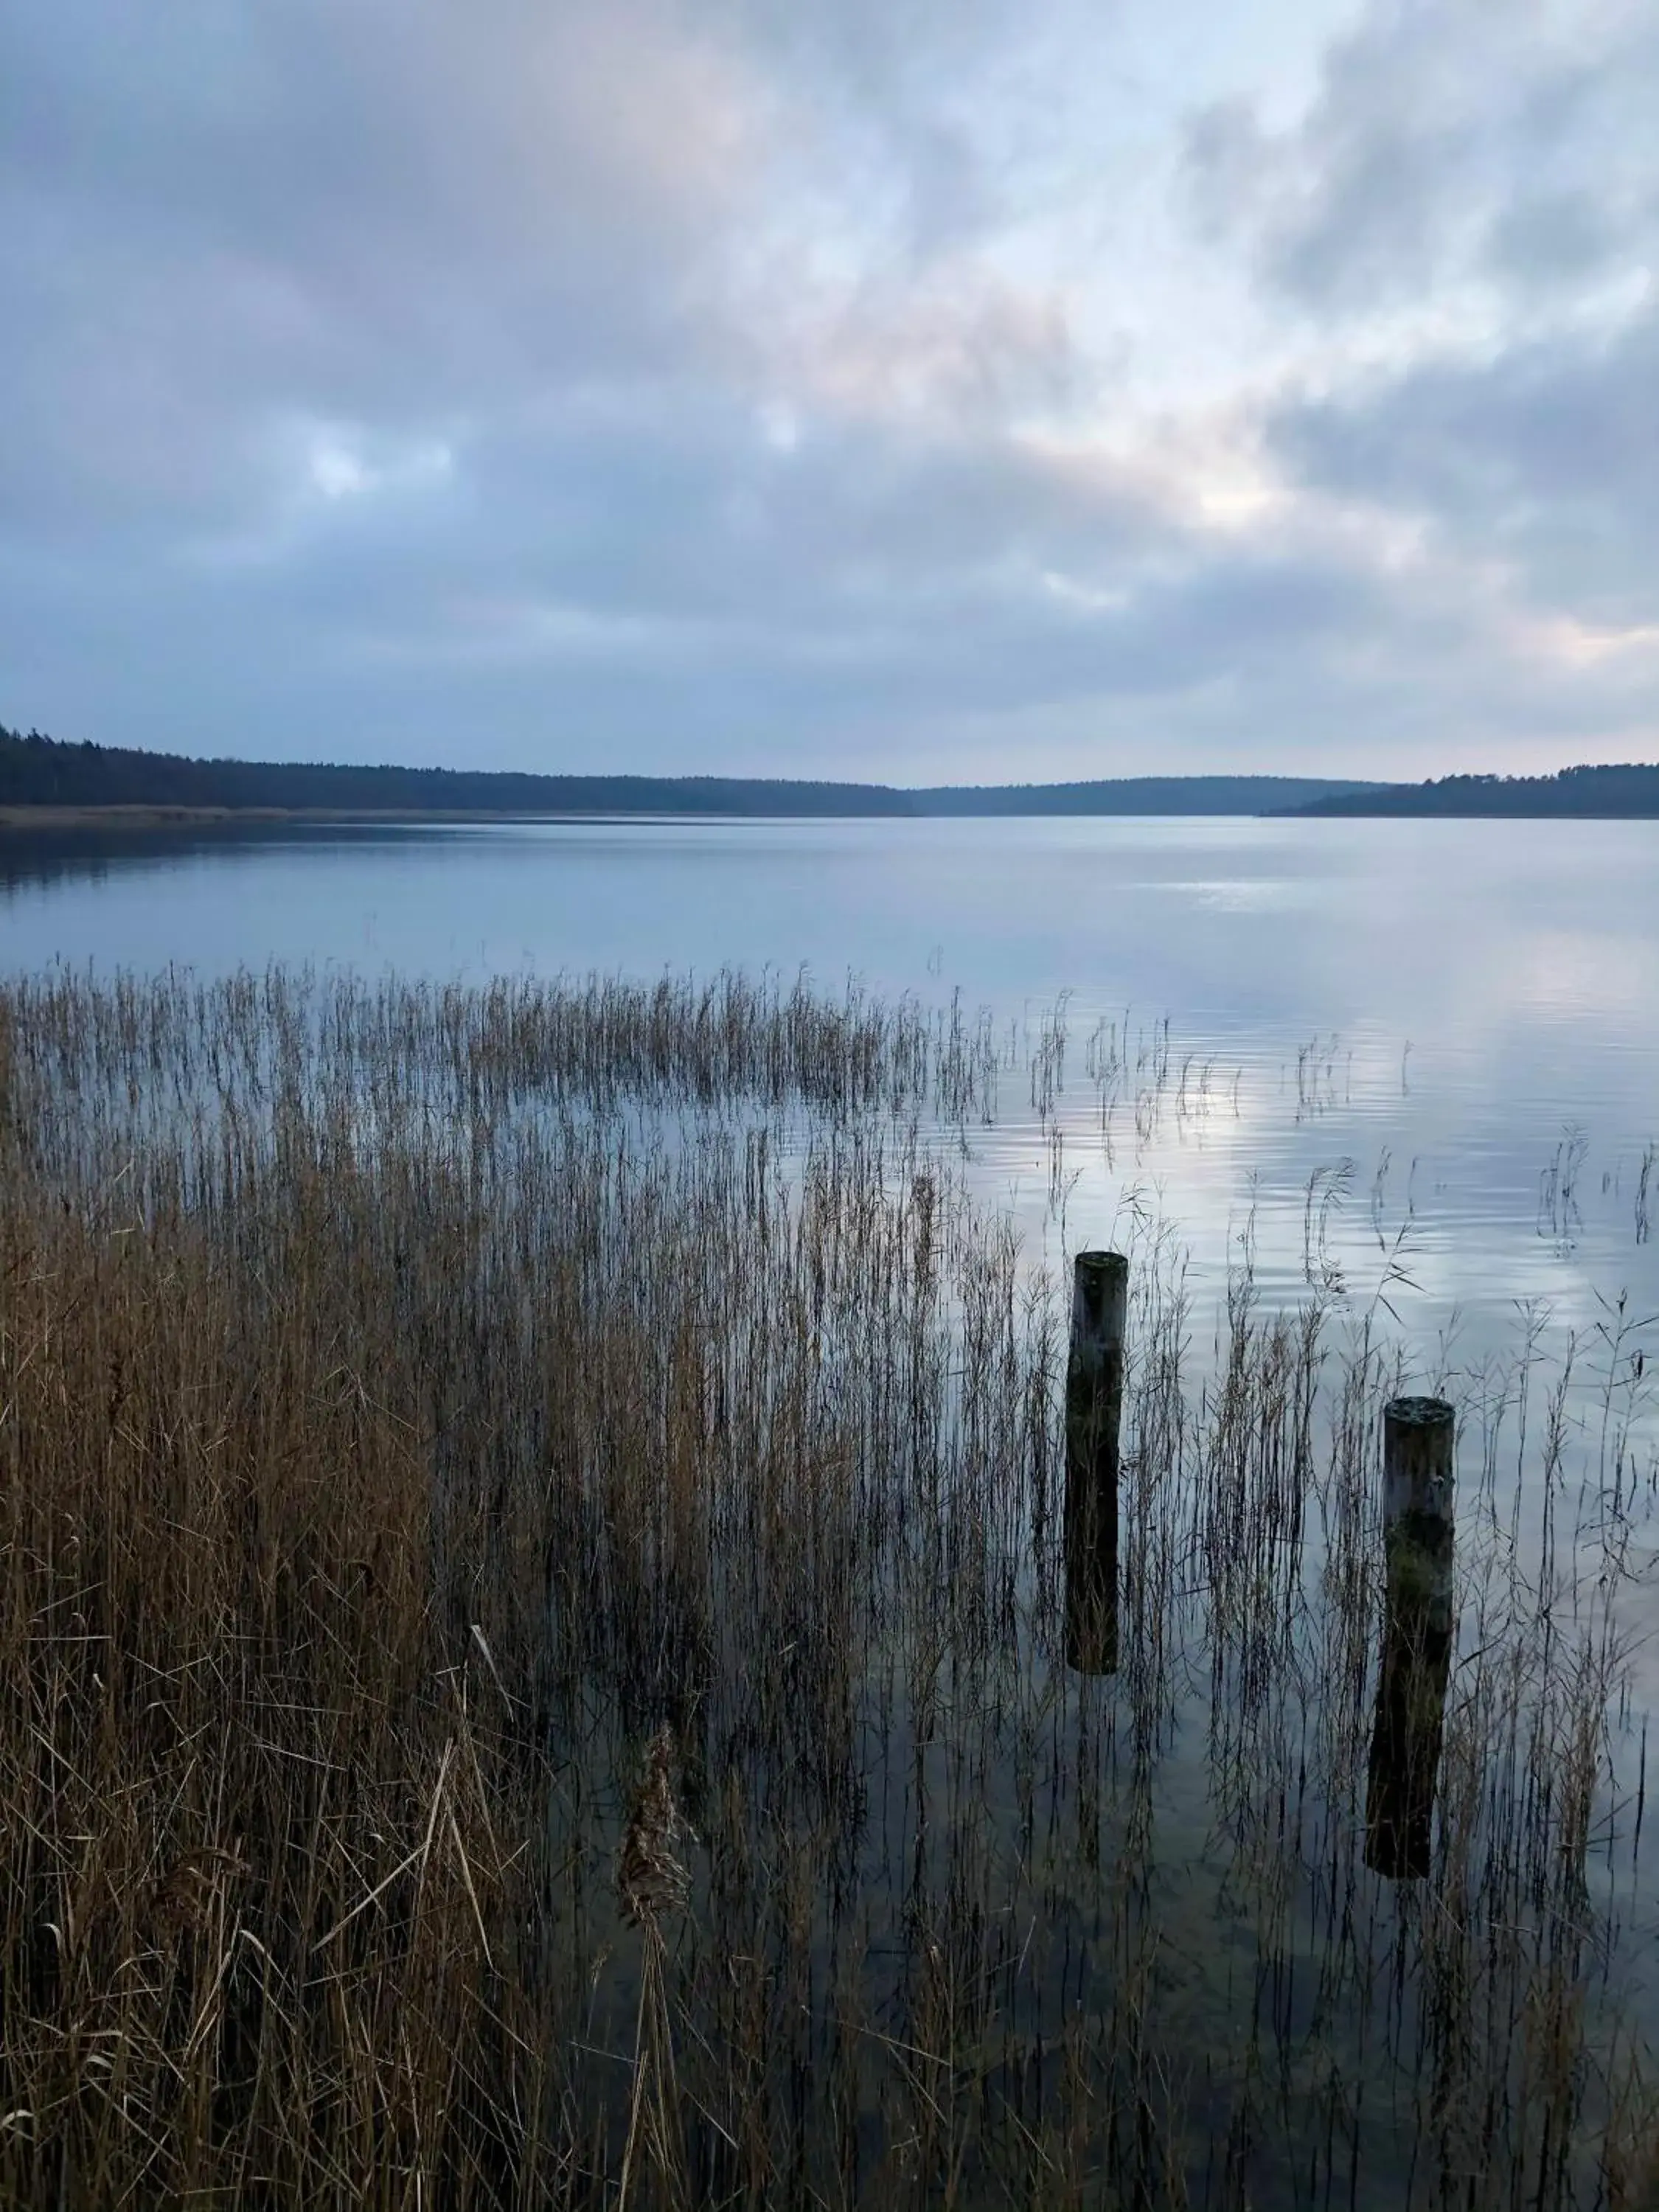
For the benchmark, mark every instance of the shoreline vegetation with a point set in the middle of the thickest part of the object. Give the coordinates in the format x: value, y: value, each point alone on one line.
x: 1623, y: 792
x: 48, y: 784
x: 532, y: 1653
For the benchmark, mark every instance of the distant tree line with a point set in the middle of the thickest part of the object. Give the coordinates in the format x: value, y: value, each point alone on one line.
x: 1629, y: 790
x: 41, y: 771
x: 1136, y: 794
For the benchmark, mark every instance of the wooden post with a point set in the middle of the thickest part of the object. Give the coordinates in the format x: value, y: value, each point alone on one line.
x: 1419, y: 1438
x: 1094, y: 1412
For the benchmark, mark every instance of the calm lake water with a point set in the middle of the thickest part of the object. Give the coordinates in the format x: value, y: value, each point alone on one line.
x: 1422, y: 1057
x: 1412, y: 1070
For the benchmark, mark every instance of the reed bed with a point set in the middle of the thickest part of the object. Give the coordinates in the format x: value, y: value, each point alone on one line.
x: 530, y: 1656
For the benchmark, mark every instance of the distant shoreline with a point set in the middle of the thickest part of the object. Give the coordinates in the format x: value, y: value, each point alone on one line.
x: 109, y: 785
x: 139, y: 820
x: 140, y: 817
x: 47, y: 785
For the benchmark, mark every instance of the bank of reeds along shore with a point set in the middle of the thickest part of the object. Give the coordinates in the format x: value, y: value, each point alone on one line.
x: 532, y: 1667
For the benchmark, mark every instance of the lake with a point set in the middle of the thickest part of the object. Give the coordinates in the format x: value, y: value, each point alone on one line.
x: 1426, y: 1048
x: 945, y: 1883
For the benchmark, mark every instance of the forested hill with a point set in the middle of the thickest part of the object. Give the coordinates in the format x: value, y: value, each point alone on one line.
x: 39, y: 771
x: 1136, y: 794
x: 1628, y: 791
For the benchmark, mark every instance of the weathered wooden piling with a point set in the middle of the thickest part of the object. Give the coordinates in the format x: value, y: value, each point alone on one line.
x: 1418, y: 1478
x: 1094, y: 1413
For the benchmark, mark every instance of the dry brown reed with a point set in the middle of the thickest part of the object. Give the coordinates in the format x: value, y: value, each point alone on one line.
x: 531, y: 1669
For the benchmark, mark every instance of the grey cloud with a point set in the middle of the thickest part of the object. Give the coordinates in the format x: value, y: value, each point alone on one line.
x: 1228, y: 168
x: 1546, y: 456
x: 938, y: 112
x: 549, y: 384
x: 1552, y: 238
x: 392, y: 213
x: 680, y: 603
x: 395, y: 213
x: 1458, y: 140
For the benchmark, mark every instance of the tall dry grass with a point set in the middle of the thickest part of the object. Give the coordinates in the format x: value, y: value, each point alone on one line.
x: 530, y: 1651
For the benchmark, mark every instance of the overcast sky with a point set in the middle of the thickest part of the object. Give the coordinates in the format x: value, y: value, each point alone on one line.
x: 922, y: 389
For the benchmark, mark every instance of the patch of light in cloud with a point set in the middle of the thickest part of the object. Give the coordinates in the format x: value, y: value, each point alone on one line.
x: 341, y: 465
x: 335, y: 471
x: 1587, y: 645
x: 780, y: 426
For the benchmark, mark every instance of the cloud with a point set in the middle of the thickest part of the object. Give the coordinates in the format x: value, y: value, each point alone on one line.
x: 1476, y: 147
x: 1544, y: 458
x: 913, y: 389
